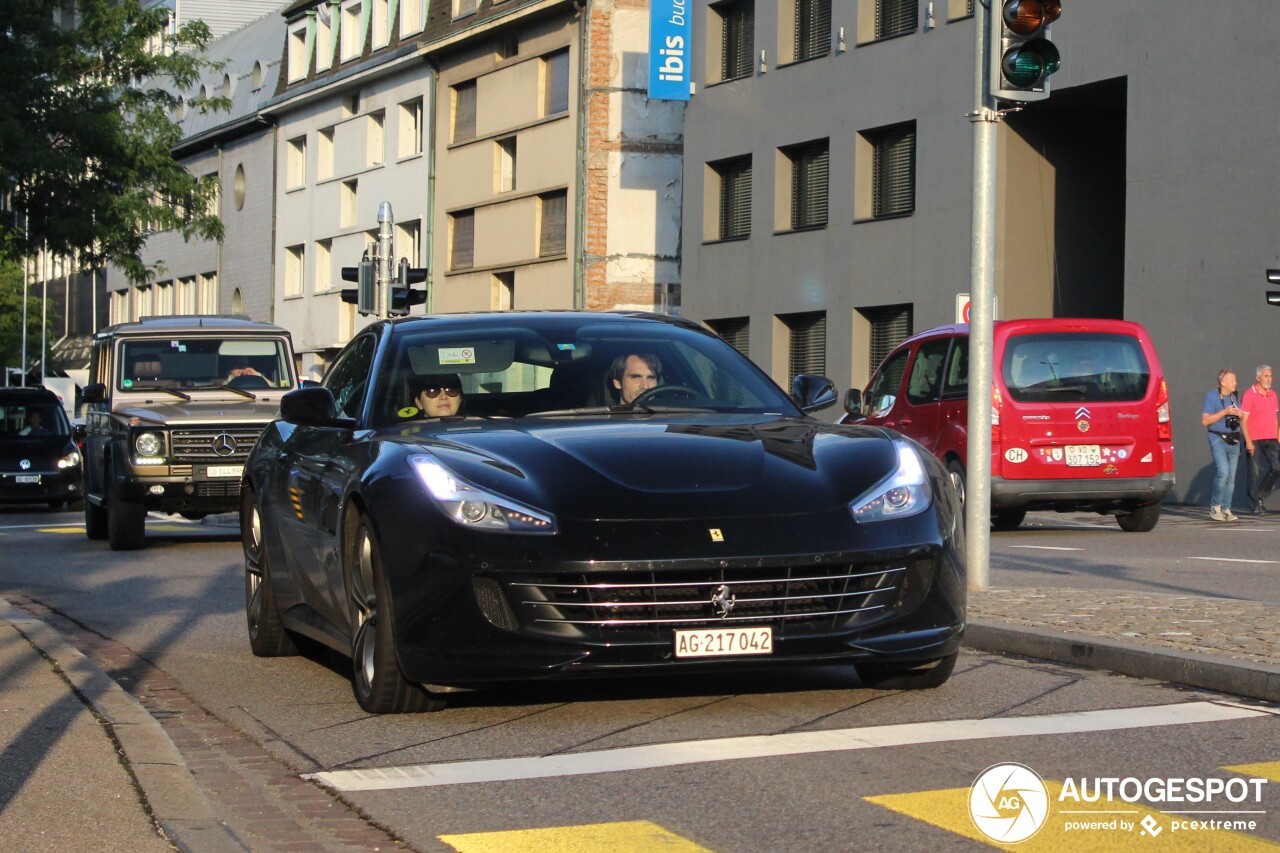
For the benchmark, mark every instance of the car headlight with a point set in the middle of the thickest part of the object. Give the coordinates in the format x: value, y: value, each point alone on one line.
x: 71, y: 460
x: 149, y: 447
x: 474, y: 507
x: 903, y: 493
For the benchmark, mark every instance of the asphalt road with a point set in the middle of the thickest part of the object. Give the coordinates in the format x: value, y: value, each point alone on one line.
x: 805, y: 761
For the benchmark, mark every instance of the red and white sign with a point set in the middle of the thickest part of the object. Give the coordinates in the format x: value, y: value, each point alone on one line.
x: 962, y: 308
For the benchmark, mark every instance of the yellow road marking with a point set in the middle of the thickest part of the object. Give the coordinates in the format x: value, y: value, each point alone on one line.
x: 60, y: 530
x: 949, y: 809
x: 1266, y: 770
x: 637, y: 836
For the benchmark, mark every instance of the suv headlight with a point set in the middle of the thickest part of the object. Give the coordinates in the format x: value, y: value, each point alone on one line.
x: 148, y: 447
x: 903, y: 493
x: 474, y: 507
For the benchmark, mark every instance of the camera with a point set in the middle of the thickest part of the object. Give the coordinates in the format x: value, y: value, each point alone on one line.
x: 1232, y: 422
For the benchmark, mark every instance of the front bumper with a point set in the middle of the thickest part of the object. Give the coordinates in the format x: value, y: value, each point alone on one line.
x: 1090, y: 494
x: 40, y: 486
x: 159, y: 487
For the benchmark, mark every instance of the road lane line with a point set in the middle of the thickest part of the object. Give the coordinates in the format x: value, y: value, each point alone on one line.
x: 636, y: 836
x: 1235, y: 560
x: 769, y: 746
x: 1046, y: 548
x: 949, y: 810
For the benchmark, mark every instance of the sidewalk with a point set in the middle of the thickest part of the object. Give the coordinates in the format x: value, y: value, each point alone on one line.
x: 78, y: 749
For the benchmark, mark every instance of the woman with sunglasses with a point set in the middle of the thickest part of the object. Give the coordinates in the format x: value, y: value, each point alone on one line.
x: 441, y: 395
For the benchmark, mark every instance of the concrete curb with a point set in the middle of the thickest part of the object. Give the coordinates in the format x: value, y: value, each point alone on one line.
x: 167, y: 786
x: 1250, y: 679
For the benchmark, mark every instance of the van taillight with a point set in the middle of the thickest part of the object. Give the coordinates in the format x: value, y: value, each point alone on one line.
x: 1164, y: 427
x: 995, y: 415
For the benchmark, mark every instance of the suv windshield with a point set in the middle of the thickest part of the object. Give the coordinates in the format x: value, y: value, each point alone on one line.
x: 511, y: 371
x: 203, y: 362
x: 1075, y: 367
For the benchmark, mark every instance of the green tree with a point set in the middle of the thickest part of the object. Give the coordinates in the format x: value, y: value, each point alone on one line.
x: 87, y: 131
x: 11, y: 319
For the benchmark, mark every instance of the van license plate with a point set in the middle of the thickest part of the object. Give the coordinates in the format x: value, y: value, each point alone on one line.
x: 1083, y: 455
x: 715, y: 642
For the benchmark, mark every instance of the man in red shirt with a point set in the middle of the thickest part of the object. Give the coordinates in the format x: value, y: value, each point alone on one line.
x: 1260, y: 405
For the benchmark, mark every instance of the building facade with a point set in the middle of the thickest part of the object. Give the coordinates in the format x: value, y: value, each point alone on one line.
x: 828, y: 184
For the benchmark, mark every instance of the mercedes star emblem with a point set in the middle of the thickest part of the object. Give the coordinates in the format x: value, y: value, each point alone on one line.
x: 224, y: 444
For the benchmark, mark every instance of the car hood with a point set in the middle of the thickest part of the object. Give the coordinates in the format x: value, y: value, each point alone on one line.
x: 220, y: 410
x: 682, y: 468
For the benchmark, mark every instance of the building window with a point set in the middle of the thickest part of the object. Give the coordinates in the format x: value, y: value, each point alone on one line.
x: 734, y: 219
x: 463, y: 8
x: 808, y: 202
x: 299, y: 61
x: 890, y: 326
x: 145, y: 303
x: 237, y: 301
x: 294, y: 264
x: 553, y: 209
x: 228, y: 86
x: 347, y: 204
x: 296, y: 167
x: 324, y: 265
x: 504, y: 171
x: 324, y: 154
x: 209, y: 293
x: 893, y: 170
x: 410, y: 17
x: 506, y: 46
x: 373, y: 144
x: 409, y: 129
x: 381, y: 23
x: 186, y: 296
x: 462, y: 240
x: 409, y: 241
x: 504, y: 291
x: 256, y: 77
x: 352, y: 31
x: 736, y: 332
x: 464, y: 111
x: 813, y: 29
x: 324, y: 39
x: 555, y: 83
x: 238, y: 186
x: 808, y: 350
x: 896, y: 17
x: 164, y: 299
x: 737, y: 22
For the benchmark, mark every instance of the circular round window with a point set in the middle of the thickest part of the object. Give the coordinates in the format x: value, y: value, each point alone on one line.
x: 239, y: 187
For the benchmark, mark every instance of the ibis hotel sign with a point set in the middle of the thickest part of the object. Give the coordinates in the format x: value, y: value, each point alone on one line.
x: 669, y: 43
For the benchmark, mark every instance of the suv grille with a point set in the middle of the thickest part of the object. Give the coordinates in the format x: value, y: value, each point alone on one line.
x: 604, y: 604
x: 197, y: 445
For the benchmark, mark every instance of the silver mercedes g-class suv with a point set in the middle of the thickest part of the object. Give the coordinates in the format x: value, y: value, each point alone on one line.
x: 173, y: 407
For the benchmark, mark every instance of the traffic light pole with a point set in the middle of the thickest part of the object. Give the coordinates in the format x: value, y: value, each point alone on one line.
x: 977, y: 505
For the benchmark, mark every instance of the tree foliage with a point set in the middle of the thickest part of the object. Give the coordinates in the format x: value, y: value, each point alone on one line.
x: 87, y: 131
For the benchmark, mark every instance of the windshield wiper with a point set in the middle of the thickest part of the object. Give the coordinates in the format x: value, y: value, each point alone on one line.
x: 174, y: 391
x: 221, y: 387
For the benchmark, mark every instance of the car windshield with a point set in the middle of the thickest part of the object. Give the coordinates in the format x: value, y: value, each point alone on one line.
x: 174, y: 364
x: 1075, y: 367
x: 33, y: 420
x: 554, y: 369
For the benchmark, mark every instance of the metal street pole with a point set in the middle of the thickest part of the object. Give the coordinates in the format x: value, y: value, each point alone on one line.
x: 26, y: 266
x: 384, y: 263
x: 977, y: 506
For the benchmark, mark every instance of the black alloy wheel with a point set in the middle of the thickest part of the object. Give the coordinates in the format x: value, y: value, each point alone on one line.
x: 379, y: 686
x: 267, y: 635
x: 1142, y: 520
x: 1008, y: 519
x: 126, y: 522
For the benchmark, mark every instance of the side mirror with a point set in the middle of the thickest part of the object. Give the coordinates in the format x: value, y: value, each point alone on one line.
x: 853, y: 401
x: 813, y: 393
x: 313, y: 407
x: 309, y: 383
x: 95, y: 393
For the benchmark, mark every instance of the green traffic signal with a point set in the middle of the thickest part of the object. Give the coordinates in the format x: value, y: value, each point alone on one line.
x: 1027, y: 65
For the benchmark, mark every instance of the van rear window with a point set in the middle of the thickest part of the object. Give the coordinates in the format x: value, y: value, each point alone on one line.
x: 1075, y: 367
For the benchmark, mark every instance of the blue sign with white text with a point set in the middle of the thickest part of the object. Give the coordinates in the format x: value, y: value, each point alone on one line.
x: 669, y: 42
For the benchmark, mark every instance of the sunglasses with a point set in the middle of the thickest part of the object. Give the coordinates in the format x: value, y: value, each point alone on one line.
x: 432, y: 391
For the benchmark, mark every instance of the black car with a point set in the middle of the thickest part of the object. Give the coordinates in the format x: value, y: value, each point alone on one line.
x: 558, y: 525
x: 39, y: 458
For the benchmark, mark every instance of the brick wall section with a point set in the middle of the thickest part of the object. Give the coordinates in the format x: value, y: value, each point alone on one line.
x: 599, y: 143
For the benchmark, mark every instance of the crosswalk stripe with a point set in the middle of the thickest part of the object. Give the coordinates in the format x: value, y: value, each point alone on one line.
x: 949, y: 809
x: 637, y: 836
x: 768, y: 746
x: 1266, y: 770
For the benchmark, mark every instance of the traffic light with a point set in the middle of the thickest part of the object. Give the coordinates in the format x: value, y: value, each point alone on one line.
x: 364, y: 294
x: 1022, y: 55
x: 402, y: 296
x: 1273, y: 296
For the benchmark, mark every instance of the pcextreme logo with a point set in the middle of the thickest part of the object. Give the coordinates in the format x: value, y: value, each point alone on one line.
x: 1009, y: 803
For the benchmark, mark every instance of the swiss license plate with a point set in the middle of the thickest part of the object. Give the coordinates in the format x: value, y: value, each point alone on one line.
x: 716, y: 642
x: 28, y: 478
x: 1083, y: 455
x: 224, y: 471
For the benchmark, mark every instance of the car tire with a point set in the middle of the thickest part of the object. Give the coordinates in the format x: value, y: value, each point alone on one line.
x: 267, y: 635
x: 955, y: 472
x: 1142, y: 520
x: 1007, y: 519
x: 878, y: 676
x: 126, y: 522
x: 380, y: 687
x: 95, y: 521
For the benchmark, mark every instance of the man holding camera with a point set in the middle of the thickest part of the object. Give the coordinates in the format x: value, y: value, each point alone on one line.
x: 1260, y: 406
x: 1221, y: 417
